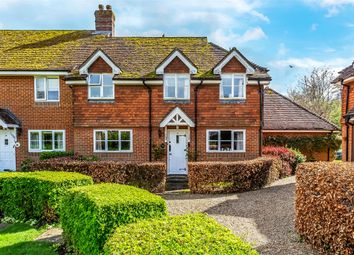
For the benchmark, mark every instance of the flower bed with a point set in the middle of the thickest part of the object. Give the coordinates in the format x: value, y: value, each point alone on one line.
x: 224, y: 177
x: 325, y: 206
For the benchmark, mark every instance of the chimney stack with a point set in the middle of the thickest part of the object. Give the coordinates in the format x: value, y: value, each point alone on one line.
x: 105, y: 20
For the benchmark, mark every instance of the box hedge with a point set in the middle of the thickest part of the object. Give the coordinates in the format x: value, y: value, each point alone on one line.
x: 325, y: 206
x: 150, y: 176
x: 36, y: 195
x: 288, y: 158
x: 224, y: 177
x: 188, y: 234
x: 89, y: 214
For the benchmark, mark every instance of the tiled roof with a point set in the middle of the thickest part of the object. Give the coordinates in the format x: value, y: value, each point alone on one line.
x: 281, y: 113
x: 8, y: 117
x: 136, y: 56
x: 345, y: 73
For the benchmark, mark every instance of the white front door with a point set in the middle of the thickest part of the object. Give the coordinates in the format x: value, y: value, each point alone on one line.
x: 177, y: 161
x: 7, y: 150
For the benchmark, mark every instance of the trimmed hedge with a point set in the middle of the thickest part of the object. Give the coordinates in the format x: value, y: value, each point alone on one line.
x: 55, y: 154
x: 288, y: 157
x: 325, y: 206
x: 90, y: 214
x: 224, y: 177
x: 36, y: 195
x: 187, y: 234
x: 150, y: 176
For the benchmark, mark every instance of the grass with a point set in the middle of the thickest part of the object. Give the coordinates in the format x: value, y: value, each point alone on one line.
x: 18, y: 239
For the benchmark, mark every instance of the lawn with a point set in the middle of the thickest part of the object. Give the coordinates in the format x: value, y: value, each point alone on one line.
x: 18, y: 239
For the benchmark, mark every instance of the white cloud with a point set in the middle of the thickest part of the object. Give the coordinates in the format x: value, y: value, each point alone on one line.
x: 333, y: 6
x: 314, y: 27
x: 308, y: 63
x: 333, y: 11
x: 230, y: 38
x: 282, y: 50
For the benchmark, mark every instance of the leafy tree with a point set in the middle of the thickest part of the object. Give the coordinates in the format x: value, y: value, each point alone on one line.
x: 316, y: 93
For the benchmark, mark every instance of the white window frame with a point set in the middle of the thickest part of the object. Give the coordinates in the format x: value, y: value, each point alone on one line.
x: 40, y: 140
x: 106, y: 140
x: 45, y: 89
x: 176, y: 76
x: 233, y: 76
x: 232, y: 141
x: 99, y: 85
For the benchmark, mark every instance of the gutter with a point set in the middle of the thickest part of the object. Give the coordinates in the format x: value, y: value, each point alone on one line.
x: 261, y: 110
x: 150, y: 118
x: 196, y: 119
x: 346, y: 124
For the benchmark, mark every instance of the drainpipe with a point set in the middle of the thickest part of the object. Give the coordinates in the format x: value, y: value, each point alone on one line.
x: 329, y: 148
x: 150, y: 118
x: 196, y: 120
x: 346, y: 124
x: 261, y: 110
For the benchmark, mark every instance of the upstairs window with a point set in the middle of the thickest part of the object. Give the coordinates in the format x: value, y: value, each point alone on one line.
x: 226, y: 140
x: 101, y: 86
x: 233, y: 86
x: 46, y: 89
x: 176, y: 86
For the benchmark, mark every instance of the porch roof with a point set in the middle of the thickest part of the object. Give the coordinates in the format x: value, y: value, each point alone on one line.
x: 8, y: 119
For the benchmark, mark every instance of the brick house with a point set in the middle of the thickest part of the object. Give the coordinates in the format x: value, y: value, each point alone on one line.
x: 125, y: 98
x: 285, y: 118
x: 345, y: 79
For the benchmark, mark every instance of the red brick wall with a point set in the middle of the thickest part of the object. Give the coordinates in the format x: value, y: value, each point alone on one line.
x: 176, y: 66
x: 100, y: 66
x: 317, y: 155
x: 234, y: 66
x: 17, y: 94
x: 344, y: 127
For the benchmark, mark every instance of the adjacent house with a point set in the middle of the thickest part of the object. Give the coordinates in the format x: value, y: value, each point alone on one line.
x: 124, y: 98
x: 285, y: 118
x: 345, y: 79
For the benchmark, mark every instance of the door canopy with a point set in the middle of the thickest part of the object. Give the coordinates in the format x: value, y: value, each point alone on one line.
x: 177, y: 118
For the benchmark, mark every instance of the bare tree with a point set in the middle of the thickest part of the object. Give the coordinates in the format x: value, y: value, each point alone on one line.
x: 317, y: 93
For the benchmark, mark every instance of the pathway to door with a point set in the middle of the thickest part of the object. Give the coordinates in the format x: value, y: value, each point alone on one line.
x: 265, y: 217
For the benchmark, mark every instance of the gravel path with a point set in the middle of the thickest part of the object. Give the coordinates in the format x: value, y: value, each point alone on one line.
x: 265, y: 217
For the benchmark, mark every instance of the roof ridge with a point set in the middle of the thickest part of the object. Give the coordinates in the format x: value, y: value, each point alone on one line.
x: 304, y: 108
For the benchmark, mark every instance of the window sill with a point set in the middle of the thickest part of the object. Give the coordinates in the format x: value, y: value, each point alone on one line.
x: 102, y: 101
x: 226, y: 152
x: 232, y: 100
x: 177, y: 101
x: 110, y: 152
x: 47, y: 103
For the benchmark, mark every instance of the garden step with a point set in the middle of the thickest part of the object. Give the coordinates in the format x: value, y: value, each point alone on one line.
x: 177, y: 182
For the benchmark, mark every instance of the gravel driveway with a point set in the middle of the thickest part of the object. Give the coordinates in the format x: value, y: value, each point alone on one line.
x: 265, y: 217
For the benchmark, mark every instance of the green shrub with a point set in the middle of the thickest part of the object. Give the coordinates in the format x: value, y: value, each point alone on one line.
x: 188, y: 234
x: 226, y: 177
x: 26, y: 165
x: 36, y: 195
x: 150, y: 176
x: 299, y: 157
x: 55, y: 154
x: 89, y: 214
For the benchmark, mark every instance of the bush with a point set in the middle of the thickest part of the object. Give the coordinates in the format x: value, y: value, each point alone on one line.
x: 188, y: 234
x: 299, y: 157
x: 90, y: 214
x: 224, y: 177
x: 325, y: 206
x: 55, y: 154
x: 36, y: 195
x: 150, y: 176
x: 288, y: 158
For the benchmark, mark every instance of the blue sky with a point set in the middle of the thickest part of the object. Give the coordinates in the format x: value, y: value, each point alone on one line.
x: 275, y: 34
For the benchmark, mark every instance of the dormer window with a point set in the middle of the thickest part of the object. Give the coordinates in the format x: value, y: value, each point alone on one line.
x: 101, y: 86
x: 233, y: 86
x: 46, y: 89
x: 176, y: 86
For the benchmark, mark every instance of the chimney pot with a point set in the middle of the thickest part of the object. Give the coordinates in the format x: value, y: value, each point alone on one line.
x: 100, y: 7
x: 108, y: 7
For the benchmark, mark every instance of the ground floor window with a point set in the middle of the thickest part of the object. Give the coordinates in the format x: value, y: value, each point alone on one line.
x: 113, y: 141
x: 46, y: 140
x: 226, y: 140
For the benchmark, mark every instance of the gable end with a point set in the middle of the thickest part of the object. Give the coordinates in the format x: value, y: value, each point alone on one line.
x: 177, y: 54
x: 95, y: 62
